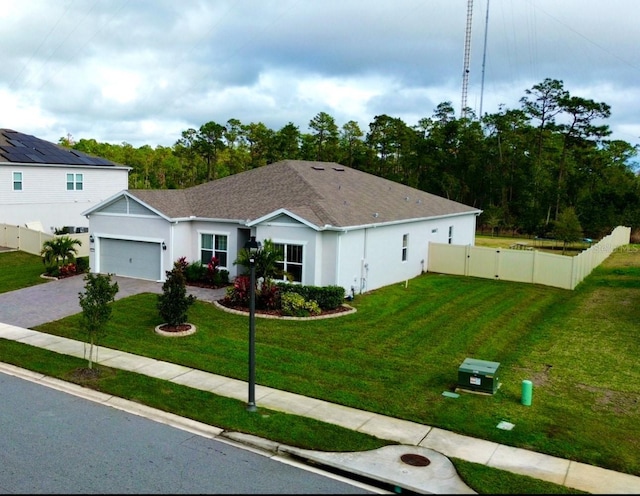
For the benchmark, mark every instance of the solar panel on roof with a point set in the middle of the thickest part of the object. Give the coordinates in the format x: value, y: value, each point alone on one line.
x: 87, y: 160
x: 18, y: 157
x: 35, y: 157
x: 19, y: 147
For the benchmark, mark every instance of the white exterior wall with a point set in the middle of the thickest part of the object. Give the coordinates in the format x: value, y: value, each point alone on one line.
x: 44, y: 196
x: 350, y: 260
x: 368, y: 258
x: 371, y: 257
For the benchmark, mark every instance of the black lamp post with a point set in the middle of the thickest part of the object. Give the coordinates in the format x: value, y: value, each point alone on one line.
x: 253, y: 247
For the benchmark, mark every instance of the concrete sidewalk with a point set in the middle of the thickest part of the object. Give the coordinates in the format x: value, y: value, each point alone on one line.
x: 385, y: 464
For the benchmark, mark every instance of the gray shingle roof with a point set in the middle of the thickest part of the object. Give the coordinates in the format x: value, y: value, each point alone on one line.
x: 322, y: 193
x: 17, y: 147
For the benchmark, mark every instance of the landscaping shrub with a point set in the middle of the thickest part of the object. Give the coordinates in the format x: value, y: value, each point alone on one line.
x: 82, y: 265
x: 270, y: 295
x: 327, y: 297
x: 67, y: 270
x: 238, y: 294
x: 174, y: 302
x: 214, y: 276
x: 195, y: 272
x: 198, y: 273
x: 295, y: 305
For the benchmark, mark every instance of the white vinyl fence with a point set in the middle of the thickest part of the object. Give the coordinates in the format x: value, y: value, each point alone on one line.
x: 29, y: 240
x: 530, y: 266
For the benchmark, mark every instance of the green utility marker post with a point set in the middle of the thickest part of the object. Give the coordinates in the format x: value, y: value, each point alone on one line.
x: 527, y: 392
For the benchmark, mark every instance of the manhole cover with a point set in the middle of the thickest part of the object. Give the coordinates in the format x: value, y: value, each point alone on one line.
x: 415, y: 460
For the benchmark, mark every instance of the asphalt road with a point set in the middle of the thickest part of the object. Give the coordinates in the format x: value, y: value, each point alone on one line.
x: 54, y: 442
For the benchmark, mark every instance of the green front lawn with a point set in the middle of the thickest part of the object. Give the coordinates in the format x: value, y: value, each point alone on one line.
x: 403, y: 347
x: 20, y: 270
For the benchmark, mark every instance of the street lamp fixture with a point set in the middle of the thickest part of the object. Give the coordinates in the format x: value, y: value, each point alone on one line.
x: 253, y: 247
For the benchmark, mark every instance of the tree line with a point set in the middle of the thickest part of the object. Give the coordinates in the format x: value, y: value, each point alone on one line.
x: 523, y: 167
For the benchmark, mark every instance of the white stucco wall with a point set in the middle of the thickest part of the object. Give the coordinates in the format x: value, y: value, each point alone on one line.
x: 44, y: 196
x: 371, y: 257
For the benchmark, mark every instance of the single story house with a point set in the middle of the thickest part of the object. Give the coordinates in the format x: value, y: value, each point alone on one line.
x: 336, y: 225
x: 47, y: 187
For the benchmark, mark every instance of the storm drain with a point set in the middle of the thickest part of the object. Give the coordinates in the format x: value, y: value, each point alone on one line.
x: 415, y: 460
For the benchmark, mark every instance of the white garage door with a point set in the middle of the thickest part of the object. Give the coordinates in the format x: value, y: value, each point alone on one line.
x: 138, y: 259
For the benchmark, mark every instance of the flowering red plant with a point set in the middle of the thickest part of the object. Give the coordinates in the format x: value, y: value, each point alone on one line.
x: 212, y: 270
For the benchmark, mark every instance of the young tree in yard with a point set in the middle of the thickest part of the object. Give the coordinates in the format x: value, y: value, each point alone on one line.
x: 567, y: 228
x: 174, y: 302
x: 96, y: 302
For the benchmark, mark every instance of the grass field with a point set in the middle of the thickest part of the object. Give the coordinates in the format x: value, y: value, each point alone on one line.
x: 402, y: 349
x: 547, y: 245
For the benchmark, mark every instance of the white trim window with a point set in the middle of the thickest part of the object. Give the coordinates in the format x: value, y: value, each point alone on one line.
x: 292, y: 263
x: 17, y: 181
x: 405, y: 247
x: 75, y: 182
x: 214, y: 245
x: 450, y: 234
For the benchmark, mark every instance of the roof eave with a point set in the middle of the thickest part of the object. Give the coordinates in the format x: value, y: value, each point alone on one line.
x: 282, y: 211
x: 396, y: 222
x: 75, y: 166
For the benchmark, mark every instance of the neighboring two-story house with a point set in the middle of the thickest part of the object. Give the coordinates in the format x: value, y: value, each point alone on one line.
x: 47, y: 187
x: 336, y: 225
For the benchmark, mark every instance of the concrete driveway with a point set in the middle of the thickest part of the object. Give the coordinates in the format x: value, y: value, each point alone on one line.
x: 53, y: 300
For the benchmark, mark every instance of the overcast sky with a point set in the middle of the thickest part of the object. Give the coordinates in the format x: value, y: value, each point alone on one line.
x: 143, y: 71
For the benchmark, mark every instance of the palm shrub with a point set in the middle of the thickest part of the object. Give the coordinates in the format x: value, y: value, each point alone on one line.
x: 266, y: 260
x: 58, y: 251
x: 174, y: 302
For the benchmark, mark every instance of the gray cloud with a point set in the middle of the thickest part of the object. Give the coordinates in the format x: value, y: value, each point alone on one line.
x: 143, y: 71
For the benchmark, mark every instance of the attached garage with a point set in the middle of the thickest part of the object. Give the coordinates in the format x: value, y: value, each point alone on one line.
x: 139, y: 259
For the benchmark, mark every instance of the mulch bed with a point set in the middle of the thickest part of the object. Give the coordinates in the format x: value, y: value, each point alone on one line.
x: 278, y: 313
x: 176, y: 328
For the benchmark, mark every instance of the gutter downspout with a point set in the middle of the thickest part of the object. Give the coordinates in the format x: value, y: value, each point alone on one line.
x: 364, y: 268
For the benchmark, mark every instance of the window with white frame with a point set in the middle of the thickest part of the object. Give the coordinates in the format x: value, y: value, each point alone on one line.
x: 17, y: 181
x: 292, y: 263
x: 74, y: 182
x: 214, y: 245
x: 450, y: 234
x: 405, y: 246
